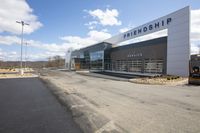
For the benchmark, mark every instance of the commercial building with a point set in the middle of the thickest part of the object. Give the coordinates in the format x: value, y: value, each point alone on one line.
x: 164, y: 55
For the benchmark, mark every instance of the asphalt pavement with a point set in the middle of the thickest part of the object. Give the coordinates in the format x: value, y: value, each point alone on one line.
x: 134, y: 108
x: 27, y: 106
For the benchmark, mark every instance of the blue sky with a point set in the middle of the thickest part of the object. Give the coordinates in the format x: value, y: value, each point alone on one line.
x: 56, y: 25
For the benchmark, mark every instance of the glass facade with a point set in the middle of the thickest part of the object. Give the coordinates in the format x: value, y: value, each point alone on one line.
x: 97, y: 60
x: 137, y: 58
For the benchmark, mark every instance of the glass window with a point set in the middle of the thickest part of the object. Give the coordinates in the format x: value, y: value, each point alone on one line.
x: 98, y: 55
x: 96, y: 60
x: 81, y: 55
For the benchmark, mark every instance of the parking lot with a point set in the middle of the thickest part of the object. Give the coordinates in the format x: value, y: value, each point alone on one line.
x: 27, y: 106
x: 135, y: 107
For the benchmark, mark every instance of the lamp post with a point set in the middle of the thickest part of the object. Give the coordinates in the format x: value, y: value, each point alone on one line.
x: 26, y: 55
x: 22, y: 23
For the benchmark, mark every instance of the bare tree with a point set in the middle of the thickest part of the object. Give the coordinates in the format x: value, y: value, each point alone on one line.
x: 56, y: 61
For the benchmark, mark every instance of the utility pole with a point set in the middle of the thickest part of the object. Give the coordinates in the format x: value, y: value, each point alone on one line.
x: 22, y: 23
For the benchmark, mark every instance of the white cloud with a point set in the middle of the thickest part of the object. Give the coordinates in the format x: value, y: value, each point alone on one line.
x: 195, y: 49
x: 49, y: 49
x: 13, y: 10
x: 122, y: 30
x: 11, y: 40
x: 74, y: 42
x: 195, y: 31
x: 93, y: 37
x: 8, y: 40
x: 15, y: 56
x: 44, y: 55
x: 10, y: 56
x: 98, y: 36
x: 128, y: 27
x: 104, y: 30
x: 92, y: 23
x: 107, y: 17
x: 195, y: 25
x: 52, y: 49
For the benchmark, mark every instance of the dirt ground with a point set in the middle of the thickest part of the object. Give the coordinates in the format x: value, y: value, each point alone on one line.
x: 14, y: 73
x: 15, y: 70
x: 160, y: 81
x: 136, y: 107
x: 7, y: 70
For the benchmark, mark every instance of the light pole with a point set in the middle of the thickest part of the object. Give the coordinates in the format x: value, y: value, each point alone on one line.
x: 26, y: 55
x: 22, y: 23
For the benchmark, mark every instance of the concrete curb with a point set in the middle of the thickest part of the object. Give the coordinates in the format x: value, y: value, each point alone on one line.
x: 103, y: 76
x: 89, y: 120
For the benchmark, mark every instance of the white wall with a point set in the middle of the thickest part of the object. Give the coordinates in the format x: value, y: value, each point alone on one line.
x: 178, y: 45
